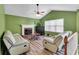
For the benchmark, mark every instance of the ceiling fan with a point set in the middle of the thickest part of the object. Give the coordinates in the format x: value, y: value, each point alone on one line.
x: 38, y: 12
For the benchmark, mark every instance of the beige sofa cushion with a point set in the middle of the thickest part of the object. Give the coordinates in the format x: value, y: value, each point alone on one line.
x: 19, y: 39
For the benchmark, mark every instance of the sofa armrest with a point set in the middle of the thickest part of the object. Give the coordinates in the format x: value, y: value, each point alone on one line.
x: 50, y: 46
x: 18, y: 49
x: 7, y: 43
x: 19, y: 44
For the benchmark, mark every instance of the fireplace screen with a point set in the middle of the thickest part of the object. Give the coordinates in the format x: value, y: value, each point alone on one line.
x: 28, y: 31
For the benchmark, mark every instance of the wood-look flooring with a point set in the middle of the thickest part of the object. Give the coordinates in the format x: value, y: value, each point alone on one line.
x: 36, y: 48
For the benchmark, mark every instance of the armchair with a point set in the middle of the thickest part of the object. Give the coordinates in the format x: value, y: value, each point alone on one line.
x: 55, y: 44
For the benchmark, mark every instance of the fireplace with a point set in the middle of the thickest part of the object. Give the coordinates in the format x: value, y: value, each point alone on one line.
x: 28, y: 29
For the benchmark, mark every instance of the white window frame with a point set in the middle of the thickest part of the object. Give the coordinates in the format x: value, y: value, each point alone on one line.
x: 53, y: 25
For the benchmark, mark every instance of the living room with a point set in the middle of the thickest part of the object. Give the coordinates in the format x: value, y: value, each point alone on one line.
x: 27, y: 19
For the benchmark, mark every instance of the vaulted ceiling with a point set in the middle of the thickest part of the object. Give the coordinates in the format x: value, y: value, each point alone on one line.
x: 27, y: 10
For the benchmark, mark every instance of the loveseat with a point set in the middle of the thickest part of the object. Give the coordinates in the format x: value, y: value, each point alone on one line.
x: 15, y: 43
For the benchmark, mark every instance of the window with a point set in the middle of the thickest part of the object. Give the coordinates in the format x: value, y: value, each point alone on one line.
x: 54, y: 25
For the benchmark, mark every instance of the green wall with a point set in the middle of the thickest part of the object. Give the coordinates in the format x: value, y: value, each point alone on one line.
x: 13, y: 23
x: 78, y: 20
x: 69, y: 19
x: 2, y: 21
x: 77, y: 24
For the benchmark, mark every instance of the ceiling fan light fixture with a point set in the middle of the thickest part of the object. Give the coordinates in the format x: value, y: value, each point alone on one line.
x: 38, y: 15
x: 38, y: 12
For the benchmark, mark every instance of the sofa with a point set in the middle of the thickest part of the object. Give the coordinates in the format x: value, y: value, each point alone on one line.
x: 55, y: 43
x: 15, y: 43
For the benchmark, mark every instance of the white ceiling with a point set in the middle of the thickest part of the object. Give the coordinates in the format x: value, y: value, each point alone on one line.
x: 27, y: 10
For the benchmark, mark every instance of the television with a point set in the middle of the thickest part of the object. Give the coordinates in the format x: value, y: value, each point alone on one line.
x: 40, y: 30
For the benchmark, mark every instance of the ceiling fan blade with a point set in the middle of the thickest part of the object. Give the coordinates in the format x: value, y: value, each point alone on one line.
x: 43, y: 12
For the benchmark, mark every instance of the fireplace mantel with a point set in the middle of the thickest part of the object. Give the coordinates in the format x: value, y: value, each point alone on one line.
x: 27, y: 26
